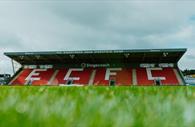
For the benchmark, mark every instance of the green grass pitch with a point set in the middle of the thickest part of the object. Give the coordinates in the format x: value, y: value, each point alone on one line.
x: 97, y: 106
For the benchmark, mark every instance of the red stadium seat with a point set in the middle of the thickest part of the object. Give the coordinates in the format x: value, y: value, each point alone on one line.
x: 43, y: 75
x: 171, y: 78
x: 122, y: 77
x: 20, y: 80
x: 83, y: 76
x: 168, y: 73
x: 100, y: 77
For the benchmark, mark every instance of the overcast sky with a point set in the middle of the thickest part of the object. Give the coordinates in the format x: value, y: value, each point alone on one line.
x: 46, y: 25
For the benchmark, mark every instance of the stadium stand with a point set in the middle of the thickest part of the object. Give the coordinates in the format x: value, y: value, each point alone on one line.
x: 99, y: 67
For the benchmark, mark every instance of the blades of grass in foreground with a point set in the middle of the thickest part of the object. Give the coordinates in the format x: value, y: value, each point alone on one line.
x: 97, y: 106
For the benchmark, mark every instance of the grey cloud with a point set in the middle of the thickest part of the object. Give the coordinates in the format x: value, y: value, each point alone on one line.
x: 8, y: 40
x: 125, y: 18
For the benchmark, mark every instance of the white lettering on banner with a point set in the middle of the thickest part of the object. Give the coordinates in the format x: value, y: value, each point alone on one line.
x: 149, y: 74
x: 30, y: 66
x: 109, y: 73
x: 67, y: 77
x: 45, y: 66
x: 35, y: 72
x: 166, y: 65
x: 145, y: 65
x: 94, y: 65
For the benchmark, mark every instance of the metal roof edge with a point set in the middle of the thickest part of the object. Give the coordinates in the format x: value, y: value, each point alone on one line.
x: 97, y: 51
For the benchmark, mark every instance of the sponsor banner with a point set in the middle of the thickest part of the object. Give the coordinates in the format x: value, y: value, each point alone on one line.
x: 38, y: 66
x: 161, y: 65
x: 83, y: 65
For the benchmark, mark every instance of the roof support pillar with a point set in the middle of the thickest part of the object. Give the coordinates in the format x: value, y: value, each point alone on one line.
x: 12, y: 61
x: 179, y: 78
x: 134, y: 77
x: 92, y: 77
